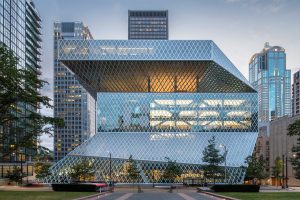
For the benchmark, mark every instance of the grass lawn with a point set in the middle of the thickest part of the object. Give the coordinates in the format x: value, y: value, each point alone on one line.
x: 263, y: 195
x: 37, y: 195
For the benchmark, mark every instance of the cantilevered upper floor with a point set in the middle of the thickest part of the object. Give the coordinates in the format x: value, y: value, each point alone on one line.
x: 152, y: 66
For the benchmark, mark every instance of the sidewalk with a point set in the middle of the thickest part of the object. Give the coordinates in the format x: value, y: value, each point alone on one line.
x: 278, y: 189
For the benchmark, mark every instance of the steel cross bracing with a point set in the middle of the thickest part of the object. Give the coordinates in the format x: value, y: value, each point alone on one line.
x: 158, y: 99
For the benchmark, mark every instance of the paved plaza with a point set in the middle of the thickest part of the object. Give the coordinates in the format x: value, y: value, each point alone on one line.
x: 150, y: 195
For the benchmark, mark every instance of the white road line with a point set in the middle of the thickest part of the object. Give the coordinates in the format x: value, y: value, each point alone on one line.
x: 125, y: 196
x: 186, y: 197
x: 212, y: 197
x: 100, y: 196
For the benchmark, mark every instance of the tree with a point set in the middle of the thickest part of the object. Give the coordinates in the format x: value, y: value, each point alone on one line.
x: 15, y: 175
x: 172, y: 170
x: 20, y: 98
x: 256, y: 168
x: 133, y: 172
x: 277, y: 168
x: 213, y: 159
x: 42, y: 170
x: 294, y: 130
x: 82, y: 170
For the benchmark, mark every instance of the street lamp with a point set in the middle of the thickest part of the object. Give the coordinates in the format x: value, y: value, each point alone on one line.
x: 20, y: 152
x: 225, y: 156
x: 109, y: 166
x: 286, y: 167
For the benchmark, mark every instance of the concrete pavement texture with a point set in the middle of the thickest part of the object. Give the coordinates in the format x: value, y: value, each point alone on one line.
x: 153, y: 196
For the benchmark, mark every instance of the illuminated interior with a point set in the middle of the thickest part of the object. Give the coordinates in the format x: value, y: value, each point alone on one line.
x: 157, y: 76
x: 164, y: 112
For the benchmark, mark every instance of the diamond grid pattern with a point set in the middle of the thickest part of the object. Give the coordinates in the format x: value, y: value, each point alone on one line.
x: 176, y: 50
x: 192, y: 120
x: 156, y: 76
x: 177, y: 112
x: 160, y: 99
x: 151, y: 171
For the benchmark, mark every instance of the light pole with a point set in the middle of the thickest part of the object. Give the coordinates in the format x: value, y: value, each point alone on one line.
x: 283, y: 171
x: 109, y: 167
x: 286, y: 172
x: 21, y: 159
x: 225, y: 156
x: 286, y: 169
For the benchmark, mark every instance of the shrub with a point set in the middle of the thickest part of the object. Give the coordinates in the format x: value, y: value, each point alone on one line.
x: 235, y: 188
x: 15, y: 175
x: 76, y: 187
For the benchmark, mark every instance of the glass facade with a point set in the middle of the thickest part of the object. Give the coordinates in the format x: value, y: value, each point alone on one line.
x: 268, y: 74
x: 72, y: 102
x: 176, y: 112
x: 20, y: 31
x: 158, y: 99
x: 148, y: 25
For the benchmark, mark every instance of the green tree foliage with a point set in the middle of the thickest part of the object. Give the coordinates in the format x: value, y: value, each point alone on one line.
x: 133, y: 172
x: 213, y: 159
x: 256, y: 168
x: 294, y: 130
x: 82, y: 170
x: 277, y: 168
x: 172, y: 171
x: 20, y: 87
x: 42, y: 170
x: 15, y: 175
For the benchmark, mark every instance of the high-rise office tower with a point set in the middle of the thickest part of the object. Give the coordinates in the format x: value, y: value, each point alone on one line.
x: 148, y: 25
x: 72, y: 102
x: 20, y: 31
x: 269, y: 76
x: 296, y: 93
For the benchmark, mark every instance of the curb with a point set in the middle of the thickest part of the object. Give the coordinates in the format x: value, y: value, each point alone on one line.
x: 91, y: 196
x: 218, y: 195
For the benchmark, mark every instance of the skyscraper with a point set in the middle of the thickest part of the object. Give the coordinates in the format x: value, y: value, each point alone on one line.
x: 20, y: 31
x: 269, y: 76
x: 72, y: 102
x: 148, y: 25
x: 296, y: 93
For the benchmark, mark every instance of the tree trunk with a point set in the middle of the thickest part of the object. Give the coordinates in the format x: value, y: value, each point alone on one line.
x: 214, y: 179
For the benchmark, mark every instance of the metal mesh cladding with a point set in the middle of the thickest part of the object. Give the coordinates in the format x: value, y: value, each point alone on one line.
x: 150, y: 171
x: 152, y: 126
x: 158, y: 99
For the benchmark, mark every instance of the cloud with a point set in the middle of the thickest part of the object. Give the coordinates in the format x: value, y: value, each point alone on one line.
x: 46, y: 141
x: 260, y: 5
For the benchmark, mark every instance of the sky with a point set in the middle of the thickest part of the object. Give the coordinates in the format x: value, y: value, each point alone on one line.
x: 239, y: 27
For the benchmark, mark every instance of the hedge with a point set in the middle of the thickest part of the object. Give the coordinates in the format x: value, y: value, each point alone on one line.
x: 235, y: 188
x: 76, y: 187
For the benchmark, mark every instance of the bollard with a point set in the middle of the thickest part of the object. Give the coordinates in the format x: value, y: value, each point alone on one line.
x: 139, y: 189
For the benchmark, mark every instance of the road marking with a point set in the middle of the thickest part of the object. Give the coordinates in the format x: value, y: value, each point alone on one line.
x: 186, y: 197
x: 100, y: 196
x: 212, y: 197
x: 125, y: 196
